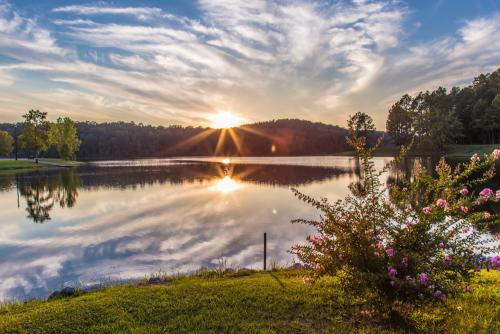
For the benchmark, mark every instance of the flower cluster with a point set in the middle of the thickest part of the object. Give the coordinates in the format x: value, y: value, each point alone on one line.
x: 421, y: 240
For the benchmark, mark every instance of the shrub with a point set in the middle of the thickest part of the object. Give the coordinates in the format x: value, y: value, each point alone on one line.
x: 417, y: 242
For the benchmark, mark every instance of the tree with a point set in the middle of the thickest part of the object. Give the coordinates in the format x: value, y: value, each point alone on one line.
x: 65, y: 138
x: 360, y: 124
x: 401, y: 120
x: 36, y: 132
x: 439, y: 123
x: 6, y: 142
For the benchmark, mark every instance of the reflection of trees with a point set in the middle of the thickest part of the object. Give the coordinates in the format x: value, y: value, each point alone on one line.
x: 405, y: 170
x: 39, y: 200
x: 275, y: 175
x: 42, y: 191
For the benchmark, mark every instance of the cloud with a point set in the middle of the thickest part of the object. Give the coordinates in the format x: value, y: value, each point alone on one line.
x: 260, y: 59
x: 141, y: 13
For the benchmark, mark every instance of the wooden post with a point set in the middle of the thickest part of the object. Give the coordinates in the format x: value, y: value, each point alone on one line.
x: 265, y: 251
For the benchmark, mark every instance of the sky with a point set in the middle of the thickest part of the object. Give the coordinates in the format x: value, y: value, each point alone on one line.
x: 181, y: 62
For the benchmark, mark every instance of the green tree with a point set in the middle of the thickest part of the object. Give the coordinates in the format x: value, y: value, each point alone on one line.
x: 36, y: 135
x: 401, y: 120
x: 360, y: 124
x: 65, y: 138
x: 6, y: 142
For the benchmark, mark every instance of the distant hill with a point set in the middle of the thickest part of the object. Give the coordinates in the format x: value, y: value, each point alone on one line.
x: 283, y: 137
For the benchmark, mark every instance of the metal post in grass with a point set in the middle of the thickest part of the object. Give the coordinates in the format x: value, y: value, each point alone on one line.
x: 265, y: 251
x: 15, y: 139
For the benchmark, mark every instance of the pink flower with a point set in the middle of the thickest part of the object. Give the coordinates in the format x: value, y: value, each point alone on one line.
x: 464, y: 192
x: 389, y: 251
x: 423, y: 278
x: 475, y: 158
x: 306, y: 280
x: 380, y: 245
x: 439, y: 294
x: 441, y: 245
x: 466, y: 230
x: 408, y: 278
x: 317, y: 266
x: 486, y: 192
x: 486, y: 215
x: 464, y: 209
x: 392, y: 272
x: 315, y: 240
x: 427, y: 210
x: 392, y: 283
x: 404, y: 261
x: 407, y: 208
x: 447, y: 209
x: 442, y: 203
x: 495, y: 154
x: 377, y: 254
x: 495, y: 262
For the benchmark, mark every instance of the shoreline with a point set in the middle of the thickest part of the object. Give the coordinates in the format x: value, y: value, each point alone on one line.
x: 12, y: 166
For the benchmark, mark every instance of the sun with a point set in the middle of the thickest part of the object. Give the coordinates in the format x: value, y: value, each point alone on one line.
x: 225, y: 120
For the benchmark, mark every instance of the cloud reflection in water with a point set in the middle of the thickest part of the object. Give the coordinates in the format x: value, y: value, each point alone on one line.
x: 120, y: 223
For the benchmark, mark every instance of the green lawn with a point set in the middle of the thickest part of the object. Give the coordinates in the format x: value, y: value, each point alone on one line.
x: 8, y: 167
x: 469, y: 150
x: 272, y: 302
x: 452, y: 151
x: 62, y: 161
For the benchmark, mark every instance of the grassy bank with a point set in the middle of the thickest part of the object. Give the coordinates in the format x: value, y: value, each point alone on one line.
x: 245, y: 302
x: 466, y: 151
x: 62, y: 161
x: 452, y: 151
x: 9, y: 167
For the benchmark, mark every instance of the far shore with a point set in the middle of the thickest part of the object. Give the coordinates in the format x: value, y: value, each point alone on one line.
x: 452, y: 151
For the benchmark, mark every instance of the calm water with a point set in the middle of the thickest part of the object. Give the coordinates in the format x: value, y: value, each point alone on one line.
x: 119, y: 220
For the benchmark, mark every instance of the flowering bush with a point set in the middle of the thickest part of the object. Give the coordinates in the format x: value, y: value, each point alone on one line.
x: 420, y: 241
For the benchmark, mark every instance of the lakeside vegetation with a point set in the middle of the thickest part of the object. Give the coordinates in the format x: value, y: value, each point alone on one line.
x: 451, y: 151
x: 8, y: 167
x: 437, y: 119
x: 248, y: 302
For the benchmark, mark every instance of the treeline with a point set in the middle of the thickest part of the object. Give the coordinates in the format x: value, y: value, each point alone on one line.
x: 281, y: 137
x: 285, y: 137
x: 469, y: 115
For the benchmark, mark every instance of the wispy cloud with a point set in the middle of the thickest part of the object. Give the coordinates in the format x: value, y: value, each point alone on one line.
x: 141, y: 13
x: 258, y: 58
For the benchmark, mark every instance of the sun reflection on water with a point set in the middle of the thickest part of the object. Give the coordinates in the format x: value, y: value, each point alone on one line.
x: 226, y: 185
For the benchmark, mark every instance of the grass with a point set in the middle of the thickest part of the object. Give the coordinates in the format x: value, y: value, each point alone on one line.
x: 245, y: 302
x: 8, y: 167
x: 62, y: 161
x: 452, y: 151
x: 468, y: 150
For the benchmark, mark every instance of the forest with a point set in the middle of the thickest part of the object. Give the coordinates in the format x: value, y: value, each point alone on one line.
x: 278, y: 137
x: 468, y: 115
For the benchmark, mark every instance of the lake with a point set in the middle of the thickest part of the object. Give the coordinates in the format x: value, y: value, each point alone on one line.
x: 120, y: 220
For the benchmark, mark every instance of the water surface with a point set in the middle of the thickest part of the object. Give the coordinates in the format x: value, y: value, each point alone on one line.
x: 120, y: 220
